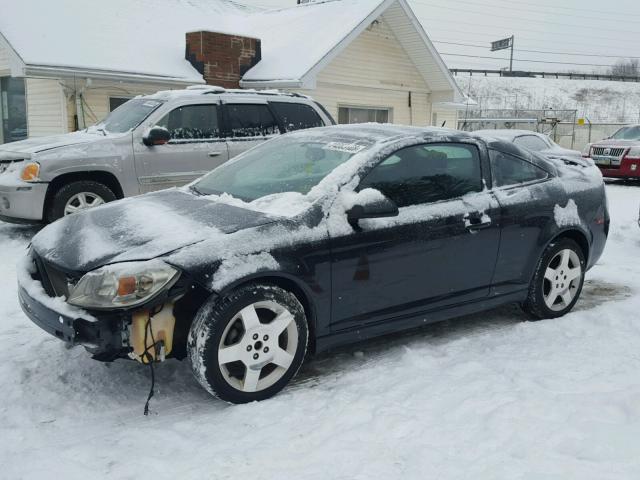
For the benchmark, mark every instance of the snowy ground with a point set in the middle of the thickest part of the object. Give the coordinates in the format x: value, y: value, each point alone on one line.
x: 484, y: 397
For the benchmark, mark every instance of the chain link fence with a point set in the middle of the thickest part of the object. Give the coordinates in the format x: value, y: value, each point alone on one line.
x: 561, y: 125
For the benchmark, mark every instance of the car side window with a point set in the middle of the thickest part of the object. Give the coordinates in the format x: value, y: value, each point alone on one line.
x: 509, y: 170
x: 192, y: 122
x: 427, y: 173
x: 531, y: 142
x: 296, y: 116
x: 251, y: 120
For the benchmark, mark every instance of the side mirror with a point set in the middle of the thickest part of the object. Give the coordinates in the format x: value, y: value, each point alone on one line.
x: 156, y: 136
x: 380, y: 208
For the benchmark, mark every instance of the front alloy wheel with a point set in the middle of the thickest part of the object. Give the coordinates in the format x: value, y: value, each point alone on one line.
x: 249, y: 344
x: 82, y: 201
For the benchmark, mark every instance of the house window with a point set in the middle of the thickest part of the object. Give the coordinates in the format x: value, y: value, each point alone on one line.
x: 13, y: 110
x: 364, y: 115
x: 115, y: 102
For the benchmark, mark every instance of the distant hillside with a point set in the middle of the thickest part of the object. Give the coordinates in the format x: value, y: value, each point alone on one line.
x: 600, y: 101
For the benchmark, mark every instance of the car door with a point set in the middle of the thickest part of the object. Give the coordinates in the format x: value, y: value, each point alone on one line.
x: 439, y: 251
x: 527, y: 199
x: 249, y: 122
x: 196, y: 147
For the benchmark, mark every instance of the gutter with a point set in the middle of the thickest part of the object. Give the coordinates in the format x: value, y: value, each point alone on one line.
x: 271, y: 84
x: 71, y: 72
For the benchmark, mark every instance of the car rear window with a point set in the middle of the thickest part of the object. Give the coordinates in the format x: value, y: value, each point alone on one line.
x: 296, y: 116
x: 510, y: 170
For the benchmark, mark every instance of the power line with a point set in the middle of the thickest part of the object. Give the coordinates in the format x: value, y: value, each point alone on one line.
x: 526, y: 60
x: 512, y: 17
x: 540, y: 51
x: 512, y: 7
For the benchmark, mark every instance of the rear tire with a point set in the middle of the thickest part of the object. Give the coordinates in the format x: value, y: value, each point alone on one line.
x: 557, y: 282
x: 77, y: 196
x: 248, y: 345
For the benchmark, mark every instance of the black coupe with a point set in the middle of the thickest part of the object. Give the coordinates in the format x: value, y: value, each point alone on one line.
x: 315, y: 239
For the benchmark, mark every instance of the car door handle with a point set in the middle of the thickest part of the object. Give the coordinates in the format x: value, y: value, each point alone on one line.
x: 215, y: 154
x: 477, y: 221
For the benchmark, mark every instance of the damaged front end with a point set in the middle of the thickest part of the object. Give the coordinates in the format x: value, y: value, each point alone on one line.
x: 108, y: 311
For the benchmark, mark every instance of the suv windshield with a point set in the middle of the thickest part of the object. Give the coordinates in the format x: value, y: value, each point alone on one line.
x: 627, y: 133
x: 128, y: 115
x: 284, y: 164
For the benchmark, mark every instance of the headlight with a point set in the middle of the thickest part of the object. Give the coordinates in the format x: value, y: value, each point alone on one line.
x: 30, y: 172
x: 633, y: 153
x: 122, y: 284
x: 586, y: 151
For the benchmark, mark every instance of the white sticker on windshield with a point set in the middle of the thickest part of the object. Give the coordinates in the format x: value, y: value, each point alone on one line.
x: 344, y: 147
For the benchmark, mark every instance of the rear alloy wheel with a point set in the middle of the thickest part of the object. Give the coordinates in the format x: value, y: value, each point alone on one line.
x: 77, y: 196
x: 558, y: 280
x: 249, y: 344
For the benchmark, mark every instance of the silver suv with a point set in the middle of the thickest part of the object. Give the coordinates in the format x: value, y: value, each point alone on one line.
x: 149, y: 143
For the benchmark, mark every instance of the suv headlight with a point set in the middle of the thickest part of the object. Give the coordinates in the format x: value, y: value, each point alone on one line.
x: 586, y: 151
x: 124, y: 284
x: 30, y: 172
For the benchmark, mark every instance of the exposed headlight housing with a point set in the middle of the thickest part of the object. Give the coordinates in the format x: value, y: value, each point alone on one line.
x: 122, y: 284
x: 30, y: 172
x: 586, y: 151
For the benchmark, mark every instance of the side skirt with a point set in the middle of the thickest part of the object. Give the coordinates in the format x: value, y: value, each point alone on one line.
x: 397, y: 324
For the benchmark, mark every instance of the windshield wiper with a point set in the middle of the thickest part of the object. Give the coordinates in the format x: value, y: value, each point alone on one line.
x: 195, y: 190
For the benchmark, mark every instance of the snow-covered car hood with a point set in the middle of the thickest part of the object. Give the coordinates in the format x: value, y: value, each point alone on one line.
x: 25, y: 148
x: 612, y: 142
x: 139, y: 228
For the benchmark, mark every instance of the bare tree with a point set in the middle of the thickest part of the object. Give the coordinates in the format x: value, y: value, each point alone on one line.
x: 626, y: 68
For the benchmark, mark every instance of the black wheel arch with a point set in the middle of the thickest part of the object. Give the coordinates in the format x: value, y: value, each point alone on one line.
x: 106, y: 178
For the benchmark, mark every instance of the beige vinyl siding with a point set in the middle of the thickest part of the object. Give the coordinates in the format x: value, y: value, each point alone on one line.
x: 374, y: 71
x: 97, y: 96
x: 46, y: 107
x: 4, y: 61
x: 448, y: 116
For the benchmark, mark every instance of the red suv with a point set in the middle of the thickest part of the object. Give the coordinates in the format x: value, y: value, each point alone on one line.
x: 619, y: 155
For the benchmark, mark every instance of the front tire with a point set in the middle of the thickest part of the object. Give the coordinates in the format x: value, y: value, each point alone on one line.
x: 248, y: 345
x: 76, y: 196
x: 557, y: 282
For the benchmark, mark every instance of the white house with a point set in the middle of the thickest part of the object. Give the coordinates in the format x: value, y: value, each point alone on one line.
x: 69, y: 63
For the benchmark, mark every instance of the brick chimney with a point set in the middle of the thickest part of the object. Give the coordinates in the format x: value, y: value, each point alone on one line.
x: 222, y: 59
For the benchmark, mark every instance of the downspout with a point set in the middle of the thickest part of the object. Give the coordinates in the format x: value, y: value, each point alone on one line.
x: 80, y: 120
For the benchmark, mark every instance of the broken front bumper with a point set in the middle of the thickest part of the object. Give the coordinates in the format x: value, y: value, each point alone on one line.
x: 103, y: 335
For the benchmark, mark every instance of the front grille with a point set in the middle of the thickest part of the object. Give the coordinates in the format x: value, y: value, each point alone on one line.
x: 54, y: 281
x: 611, y: 152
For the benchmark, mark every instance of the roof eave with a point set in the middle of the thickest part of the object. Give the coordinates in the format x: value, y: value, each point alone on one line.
x: 458, y: 95
x: 111, y: 75
x: 272, y: 83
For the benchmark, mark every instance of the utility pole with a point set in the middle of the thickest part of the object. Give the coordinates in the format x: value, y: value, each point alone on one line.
x: 513, y: 37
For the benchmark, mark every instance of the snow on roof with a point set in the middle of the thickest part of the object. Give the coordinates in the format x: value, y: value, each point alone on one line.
x: 147, y: 37
x: 141, y: 37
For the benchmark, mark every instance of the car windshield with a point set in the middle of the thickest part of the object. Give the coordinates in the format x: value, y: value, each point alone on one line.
x: 627, y: 133
x: 284, y: 164
x: 128, y: 115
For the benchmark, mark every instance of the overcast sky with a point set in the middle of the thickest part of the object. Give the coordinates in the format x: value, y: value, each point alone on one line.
x: 606, y: 31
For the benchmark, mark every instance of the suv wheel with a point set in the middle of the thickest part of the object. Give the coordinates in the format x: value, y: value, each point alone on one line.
x: 76, y: 196
x: 248, y: 345
x: 557, y: 282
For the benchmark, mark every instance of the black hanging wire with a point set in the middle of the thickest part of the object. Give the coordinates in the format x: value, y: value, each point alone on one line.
x: 150, y: 359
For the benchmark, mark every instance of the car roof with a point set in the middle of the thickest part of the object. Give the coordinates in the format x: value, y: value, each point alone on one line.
x: 378, y: 132
x: 196, y: 91
x: 506, y: 133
